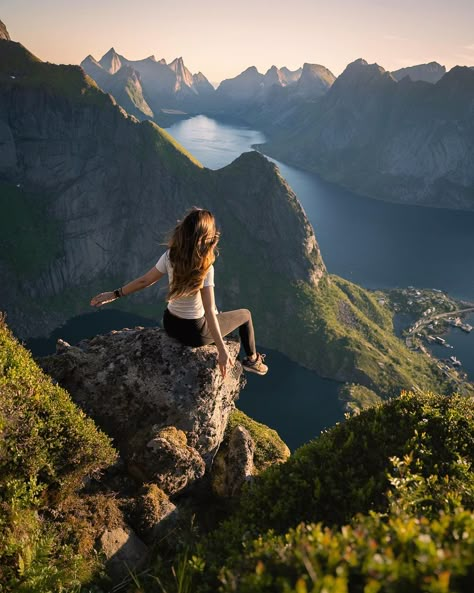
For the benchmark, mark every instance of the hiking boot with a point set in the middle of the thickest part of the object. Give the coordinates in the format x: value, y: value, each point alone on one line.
x: 256, y: 366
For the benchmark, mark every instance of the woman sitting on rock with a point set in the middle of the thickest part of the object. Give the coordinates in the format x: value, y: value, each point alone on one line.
x: 191, y: 315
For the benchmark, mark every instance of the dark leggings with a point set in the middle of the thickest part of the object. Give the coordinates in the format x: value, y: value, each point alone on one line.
x: 195, y: 332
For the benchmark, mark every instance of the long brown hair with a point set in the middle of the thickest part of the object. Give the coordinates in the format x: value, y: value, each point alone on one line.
x: 192, y: 252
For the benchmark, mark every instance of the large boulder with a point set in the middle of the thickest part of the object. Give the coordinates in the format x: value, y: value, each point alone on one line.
x: 165, y: 405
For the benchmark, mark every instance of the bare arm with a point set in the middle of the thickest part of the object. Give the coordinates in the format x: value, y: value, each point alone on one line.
x: 147, y: 279
x: 208, y: 301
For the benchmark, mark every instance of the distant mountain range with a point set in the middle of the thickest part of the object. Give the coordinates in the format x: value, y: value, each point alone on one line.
x: 408, y: 141
x: 431, y: 72
x: 146, y: 87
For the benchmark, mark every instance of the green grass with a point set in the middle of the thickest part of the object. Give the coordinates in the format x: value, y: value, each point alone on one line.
x: 31, y: 239
x: 48, y: 448
x: 156, y: 141
x: 405, y: 465
x: 30, y: 72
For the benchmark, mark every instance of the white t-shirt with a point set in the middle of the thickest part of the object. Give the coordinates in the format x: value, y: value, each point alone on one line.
x: 187, y: 307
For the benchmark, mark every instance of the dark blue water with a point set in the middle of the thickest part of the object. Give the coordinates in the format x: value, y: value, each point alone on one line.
x: 463, y: 345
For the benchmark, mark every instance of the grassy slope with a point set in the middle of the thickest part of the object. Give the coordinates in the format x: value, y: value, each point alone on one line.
x: 342, y: 473
x: 48, y: 448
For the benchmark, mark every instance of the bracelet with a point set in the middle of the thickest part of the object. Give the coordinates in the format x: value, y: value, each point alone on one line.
x: 118, y: 292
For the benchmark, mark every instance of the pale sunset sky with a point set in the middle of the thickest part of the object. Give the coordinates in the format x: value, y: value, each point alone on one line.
x: 222, y: 38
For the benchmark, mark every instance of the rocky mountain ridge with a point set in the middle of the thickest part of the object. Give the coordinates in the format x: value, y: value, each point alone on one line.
x: 431, y: 72
x: 161, y: 85
x: 4, y: 32
x: 409, y: 141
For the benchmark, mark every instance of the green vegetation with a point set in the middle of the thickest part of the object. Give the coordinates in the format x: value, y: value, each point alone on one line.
x: 21, y: 69
x: 48, y: 447
x: 31, y: 239
x: 395, y: 554
x: 342, y: 332
x: 269, y: 448
x: 399, y: 475
x: 358, y: 397
x: 156, y: 141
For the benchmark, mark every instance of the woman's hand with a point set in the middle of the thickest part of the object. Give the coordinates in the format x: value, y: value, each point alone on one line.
x: 102, y: 299
x: 223, y: 360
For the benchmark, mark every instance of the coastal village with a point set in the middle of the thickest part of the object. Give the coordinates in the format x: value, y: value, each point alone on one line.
x: 429, y: 314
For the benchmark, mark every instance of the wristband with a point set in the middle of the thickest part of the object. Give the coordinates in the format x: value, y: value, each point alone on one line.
x: 118, y: 293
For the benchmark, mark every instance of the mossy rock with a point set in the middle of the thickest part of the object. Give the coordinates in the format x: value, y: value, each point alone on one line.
x: 269, y: 447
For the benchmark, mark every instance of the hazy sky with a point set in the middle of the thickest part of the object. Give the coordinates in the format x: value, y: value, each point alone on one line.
x: 222, y: 38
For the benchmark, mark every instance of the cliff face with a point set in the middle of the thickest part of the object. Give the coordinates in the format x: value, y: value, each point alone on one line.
x: 112, y: 188
x: 3, y: 32
x: 408, y: 142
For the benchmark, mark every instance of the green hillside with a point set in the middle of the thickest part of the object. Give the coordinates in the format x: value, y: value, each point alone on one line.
x: 382, y: 502
x: 48, y: 448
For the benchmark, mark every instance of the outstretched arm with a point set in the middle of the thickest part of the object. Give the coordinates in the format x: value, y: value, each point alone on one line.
x: 208, y: 301
x: 147, y: 279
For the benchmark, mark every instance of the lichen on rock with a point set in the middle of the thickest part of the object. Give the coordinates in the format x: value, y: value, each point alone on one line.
x: 165, y: 405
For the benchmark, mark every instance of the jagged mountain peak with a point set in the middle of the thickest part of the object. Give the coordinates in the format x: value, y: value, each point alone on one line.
x: 111, y: 61
x: 90, y: 60
x: 274, y: 76
x: 361, y: 71
x: 291, y: 76
x: 4, y: 32
x: 314, y: 81
x: 251, y: 70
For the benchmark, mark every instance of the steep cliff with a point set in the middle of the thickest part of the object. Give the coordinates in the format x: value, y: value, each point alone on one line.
x: 124, y: 84
x: 3, y: 32
x: 90, y: 193
x: 408, y: 142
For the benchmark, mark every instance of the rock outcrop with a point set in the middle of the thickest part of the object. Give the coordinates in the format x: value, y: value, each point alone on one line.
x: 234, y: 466
x: 4, y: 32
x: 165, y: 405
